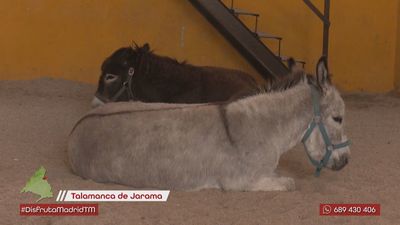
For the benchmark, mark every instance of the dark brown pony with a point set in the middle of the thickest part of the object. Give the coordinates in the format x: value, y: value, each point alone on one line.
x: 136, y: 73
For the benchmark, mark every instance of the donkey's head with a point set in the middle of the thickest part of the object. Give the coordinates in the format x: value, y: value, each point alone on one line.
x: 325, y: 140
x: 116, y: 72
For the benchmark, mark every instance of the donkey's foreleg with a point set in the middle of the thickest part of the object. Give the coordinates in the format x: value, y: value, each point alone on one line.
x: 273, y: 184
x: 264, y: 183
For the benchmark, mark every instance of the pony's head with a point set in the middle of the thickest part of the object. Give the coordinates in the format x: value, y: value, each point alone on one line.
x: 116, y: 72
x: 325, y: 141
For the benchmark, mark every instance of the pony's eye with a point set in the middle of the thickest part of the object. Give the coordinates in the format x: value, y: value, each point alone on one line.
x: 110, y: 77
x: 337, y: 119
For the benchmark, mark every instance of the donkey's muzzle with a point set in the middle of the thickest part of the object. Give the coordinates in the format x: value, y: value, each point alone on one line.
x: 96, y: 102
x: 340, y: 163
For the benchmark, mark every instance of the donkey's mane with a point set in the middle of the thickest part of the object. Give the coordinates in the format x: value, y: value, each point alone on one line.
x: 288, y: 81
x: 146, y: 61
x: 143, y: 51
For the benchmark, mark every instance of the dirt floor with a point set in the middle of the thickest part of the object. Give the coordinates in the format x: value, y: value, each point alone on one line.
x: 36, y: 117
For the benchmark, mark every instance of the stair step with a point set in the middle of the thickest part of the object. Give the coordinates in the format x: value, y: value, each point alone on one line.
x: 266, y: 35
x: 237, y: 11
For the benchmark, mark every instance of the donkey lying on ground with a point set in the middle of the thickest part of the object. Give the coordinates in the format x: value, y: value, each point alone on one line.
x: 232, y: 146
x: 138, y: 74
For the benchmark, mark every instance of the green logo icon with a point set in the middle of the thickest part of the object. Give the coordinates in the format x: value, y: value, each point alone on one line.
x: 38, y: 185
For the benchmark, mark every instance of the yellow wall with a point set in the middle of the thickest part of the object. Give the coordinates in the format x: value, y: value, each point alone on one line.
x: 70, y: 38
x: 364, y: 44
x: 397, y: 65
x: 362, y: 38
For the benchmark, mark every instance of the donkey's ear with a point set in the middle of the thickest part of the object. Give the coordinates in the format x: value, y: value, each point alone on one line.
x: 146, y: 47
x: 291, y: 64
x: 134, y: 45
x: 294, y: 68
x: 322, y: 71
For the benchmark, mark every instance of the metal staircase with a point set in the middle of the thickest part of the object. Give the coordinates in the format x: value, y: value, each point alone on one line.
x: 246, y: 41
x: 249, y: 42
x: 262, y: 35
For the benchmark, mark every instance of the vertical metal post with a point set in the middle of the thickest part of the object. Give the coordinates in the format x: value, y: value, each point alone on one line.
x: 256, y: 28
x: 325, y: 46
x: 279, y: 48
x: 325, y: 19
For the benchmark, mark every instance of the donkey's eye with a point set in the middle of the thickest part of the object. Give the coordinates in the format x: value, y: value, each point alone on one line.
x: 110, y: 77
x: 338, y: 119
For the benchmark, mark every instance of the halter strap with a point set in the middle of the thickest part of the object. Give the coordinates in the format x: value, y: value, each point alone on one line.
x: 317, y: 122
x: 126, y: 86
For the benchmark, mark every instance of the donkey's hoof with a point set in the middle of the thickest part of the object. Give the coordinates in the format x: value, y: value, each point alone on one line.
x: 274, y: 184
x: 288, y: 183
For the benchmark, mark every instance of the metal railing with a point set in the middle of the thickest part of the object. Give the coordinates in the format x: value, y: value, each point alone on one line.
x: 325, y: 19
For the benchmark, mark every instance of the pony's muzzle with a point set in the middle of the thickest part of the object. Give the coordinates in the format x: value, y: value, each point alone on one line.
x: 96, y: 102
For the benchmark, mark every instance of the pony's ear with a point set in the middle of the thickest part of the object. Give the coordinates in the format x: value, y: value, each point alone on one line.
x: 291, y: 64
x: 322, y: 72
x: 146, y: 47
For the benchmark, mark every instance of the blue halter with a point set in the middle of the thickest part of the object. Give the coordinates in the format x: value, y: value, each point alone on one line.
x: 317, y: 121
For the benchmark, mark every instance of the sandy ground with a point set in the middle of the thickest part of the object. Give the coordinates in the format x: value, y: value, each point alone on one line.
x: 36, y: 117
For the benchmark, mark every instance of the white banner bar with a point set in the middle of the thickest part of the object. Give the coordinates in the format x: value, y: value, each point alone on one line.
x: 115, y: 196
x: 59, y: 195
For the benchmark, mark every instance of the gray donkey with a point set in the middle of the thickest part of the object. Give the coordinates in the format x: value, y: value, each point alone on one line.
x: 231, y: 146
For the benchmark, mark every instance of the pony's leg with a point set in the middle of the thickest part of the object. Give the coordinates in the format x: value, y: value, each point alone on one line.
x: 273, y: 184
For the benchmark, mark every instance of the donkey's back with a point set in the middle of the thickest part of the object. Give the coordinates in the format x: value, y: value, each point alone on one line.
x: 230, y: 84
x: 152, y: 145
